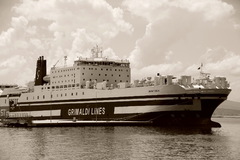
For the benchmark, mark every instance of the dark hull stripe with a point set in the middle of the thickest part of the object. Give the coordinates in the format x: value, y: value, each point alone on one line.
x: 10, y: 95
x: 170, y: 118
x: 102, y: 104
x: 131, y: 97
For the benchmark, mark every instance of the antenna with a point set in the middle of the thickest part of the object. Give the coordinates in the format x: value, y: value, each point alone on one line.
x: 203, y: 75
x: 55, y: 64
x: 65, y: 61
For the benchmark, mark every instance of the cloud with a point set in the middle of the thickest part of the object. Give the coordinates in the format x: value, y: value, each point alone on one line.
x: 67, y: 16
x: 182, y: 27
x: 157, y: 10
x: 19, y: 22
x: 221, y: 61
x: 163, y: 69
x: 109, y: 53
x: 13, y: 67
x: 6, y: 37
x: 57, y: 28
x: 181, y: 34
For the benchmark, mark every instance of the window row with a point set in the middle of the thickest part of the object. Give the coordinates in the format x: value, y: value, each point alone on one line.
x: 104, y: 80
x: 62, y: 86
x: 65, y: 70
x: 66, y: 75
x: 106, y: 69
x: 57, y: 82
x: 57, y: 95
x: 80, y: 63
x: 105, y: 75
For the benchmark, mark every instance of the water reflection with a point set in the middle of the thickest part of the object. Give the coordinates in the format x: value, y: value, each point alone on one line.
x: 181, y: 130
x: 120, y: 143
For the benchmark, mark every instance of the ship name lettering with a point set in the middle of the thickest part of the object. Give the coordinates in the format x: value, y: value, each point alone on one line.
x: 156, y: 90
x: 86, y: 111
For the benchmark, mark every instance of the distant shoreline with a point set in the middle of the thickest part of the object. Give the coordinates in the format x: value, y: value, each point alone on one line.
x: 224, y: 116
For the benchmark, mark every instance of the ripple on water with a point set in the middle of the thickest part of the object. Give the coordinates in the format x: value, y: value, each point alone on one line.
x: 121, y: 142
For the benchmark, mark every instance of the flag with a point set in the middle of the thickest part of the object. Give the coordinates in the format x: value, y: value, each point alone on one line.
x: 200, y: 66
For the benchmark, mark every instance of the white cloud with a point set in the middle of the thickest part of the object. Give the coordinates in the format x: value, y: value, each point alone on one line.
x: 186, y: 28
x: 56, y: 28
x: 66, y: 16
x: 109, y: 53
x: 6, y: 37
x: 152, y: 70
x: 19, y: 22
x: 221, y: 61
x: 157, y: 10
x: 181, y: 31
x: 84, y: 41
x: 13, y: 62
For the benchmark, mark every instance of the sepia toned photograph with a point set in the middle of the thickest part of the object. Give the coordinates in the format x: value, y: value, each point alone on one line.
x: 119, y: 79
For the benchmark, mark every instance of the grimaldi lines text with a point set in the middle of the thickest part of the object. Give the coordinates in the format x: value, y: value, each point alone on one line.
x: 98, y: 91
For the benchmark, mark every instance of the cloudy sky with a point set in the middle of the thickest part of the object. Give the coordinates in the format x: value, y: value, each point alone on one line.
x: 167, y: 36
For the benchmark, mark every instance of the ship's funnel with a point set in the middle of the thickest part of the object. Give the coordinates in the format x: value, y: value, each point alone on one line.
x: 40, y: 71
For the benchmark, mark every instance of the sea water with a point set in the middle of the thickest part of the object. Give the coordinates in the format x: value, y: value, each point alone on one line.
x: 121, y: 142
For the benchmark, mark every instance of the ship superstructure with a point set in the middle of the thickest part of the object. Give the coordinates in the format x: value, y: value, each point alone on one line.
x: 97, y: 91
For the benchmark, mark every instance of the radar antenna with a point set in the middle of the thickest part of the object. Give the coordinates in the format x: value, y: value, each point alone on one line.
x: 95, y: 52
x: 65, y: 61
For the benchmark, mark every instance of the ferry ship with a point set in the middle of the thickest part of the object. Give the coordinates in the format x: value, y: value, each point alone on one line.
x: 98, y: 91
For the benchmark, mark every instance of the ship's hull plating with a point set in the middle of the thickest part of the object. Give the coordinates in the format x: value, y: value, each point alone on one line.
x: 178, y: 110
